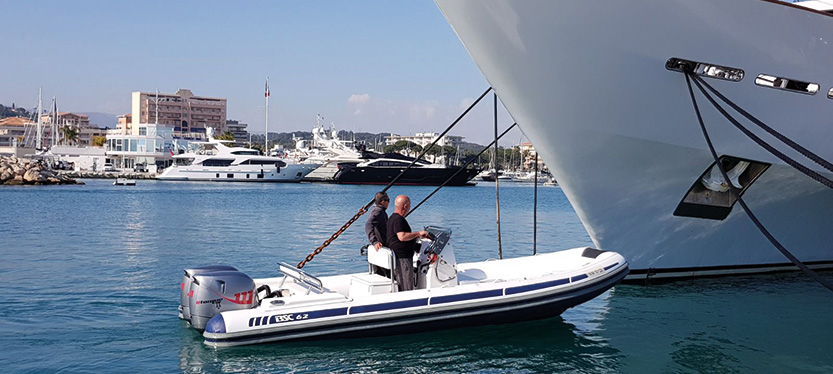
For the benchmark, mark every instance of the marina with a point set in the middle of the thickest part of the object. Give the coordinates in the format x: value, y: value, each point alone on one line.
x: 114, y: 287
x: 639, y: 187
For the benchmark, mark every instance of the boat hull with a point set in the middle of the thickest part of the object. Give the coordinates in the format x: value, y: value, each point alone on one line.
x: 421, y: 176
x: 586, y: 81
x: 292, y: 173
x: 541, y: 307
x: 472, y: 294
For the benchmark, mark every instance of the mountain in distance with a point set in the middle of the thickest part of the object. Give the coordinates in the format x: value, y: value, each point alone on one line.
x: 102, y: 119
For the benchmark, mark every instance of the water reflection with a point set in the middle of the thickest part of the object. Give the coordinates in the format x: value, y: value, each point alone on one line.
x: 551, y: 344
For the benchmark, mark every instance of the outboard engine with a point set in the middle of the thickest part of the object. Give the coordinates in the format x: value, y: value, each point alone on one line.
x: 185, y: 286
x: 437, y: 265
x: 217, y: 292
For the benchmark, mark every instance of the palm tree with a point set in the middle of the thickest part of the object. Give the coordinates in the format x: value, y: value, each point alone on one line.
x: 70, y: 134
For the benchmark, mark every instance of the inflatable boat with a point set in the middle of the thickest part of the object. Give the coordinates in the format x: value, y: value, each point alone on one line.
x: 234, y: 309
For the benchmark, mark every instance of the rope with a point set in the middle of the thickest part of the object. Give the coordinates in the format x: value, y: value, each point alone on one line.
x: 789, y: 161
x: 797, y: 147
x: 364, y: 208
x: 461, y: 169
x: 742, y: 203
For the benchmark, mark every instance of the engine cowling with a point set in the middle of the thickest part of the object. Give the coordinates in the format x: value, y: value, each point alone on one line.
x: 217, y: 292
x: 185, y: 286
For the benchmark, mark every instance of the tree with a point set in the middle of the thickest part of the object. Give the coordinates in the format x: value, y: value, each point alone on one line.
x: 70, y: 134
x: 99, y: 141
x: 227, y: 136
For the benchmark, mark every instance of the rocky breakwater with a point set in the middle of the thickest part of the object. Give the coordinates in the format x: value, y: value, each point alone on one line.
x: 16, y: 171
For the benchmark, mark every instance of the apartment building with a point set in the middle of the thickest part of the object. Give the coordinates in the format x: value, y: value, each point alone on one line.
x: 241, y: 135
x: 183, y: 111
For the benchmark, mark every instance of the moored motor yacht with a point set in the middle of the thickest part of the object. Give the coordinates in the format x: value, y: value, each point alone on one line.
x: 326, y: 150
x: 600, y: 89
x: 214, y: 161
x: 233, y: 309
x: 381, y: 169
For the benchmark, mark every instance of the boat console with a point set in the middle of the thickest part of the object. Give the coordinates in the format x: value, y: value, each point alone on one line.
x: 435, y: 266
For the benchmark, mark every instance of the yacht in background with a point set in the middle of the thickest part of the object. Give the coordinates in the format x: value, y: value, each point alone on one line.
x: 597, y: 86
x: 377, y: 168
x: 326, y: 150
x: 214, y: 161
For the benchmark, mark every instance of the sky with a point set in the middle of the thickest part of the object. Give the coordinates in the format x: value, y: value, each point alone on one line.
x: 372, y: 66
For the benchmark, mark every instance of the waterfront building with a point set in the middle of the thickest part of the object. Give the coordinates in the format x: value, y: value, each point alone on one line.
x: 426, y: 138
x: 125, y: 123
x: 149, y: 148
x: 529, y: 154
x: 76, y: 121
x: 183, y: 111
x: 241, y: 135
x: 12, y: 129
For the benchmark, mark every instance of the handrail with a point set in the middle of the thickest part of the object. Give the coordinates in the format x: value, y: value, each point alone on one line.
x: 301, y: 276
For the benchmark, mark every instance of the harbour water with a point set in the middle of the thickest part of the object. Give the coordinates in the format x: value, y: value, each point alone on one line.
x: 91, y: 284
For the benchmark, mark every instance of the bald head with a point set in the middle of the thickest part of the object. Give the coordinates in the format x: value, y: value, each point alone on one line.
x: 402, y: 205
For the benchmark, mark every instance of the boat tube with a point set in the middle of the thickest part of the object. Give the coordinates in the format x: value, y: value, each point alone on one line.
x: 233, y: 309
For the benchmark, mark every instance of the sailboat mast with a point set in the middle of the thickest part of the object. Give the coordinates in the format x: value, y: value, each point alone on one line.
x: 266, y: 142
x: 38, y: 141
x: 53, y: 133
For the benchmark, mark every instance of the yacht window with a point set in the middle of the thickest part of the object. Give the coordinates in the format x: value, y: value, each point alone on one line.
x: 248, y: 153
x: 830, y: 94
x: 217, y: 162
x: 229, y: 175
x: 787, y: 84
x: 260, y: 162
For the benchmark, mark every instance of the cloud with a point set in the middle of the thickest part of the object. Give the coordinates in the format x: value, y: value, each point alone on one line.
x: 465, y: 103
x: 359, y: 99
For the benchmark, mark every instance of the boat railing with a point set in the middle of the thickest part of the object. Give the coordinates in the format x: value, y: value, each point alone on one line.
x: 300, y: 276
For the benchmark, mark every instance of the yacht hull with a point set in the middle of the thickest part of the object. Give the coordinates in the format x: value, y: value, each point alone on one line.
x: 350, y: 174
x: 292, y: 173
x: 586, y: 81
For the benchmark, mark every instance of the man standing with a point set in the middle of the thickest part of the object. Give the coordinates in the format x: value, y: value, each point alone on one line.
x: 376, y: 227
x: 403, y: 243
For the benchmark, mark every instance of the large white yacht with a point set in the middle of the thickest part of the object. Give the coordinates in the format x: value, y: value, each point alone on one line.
x: 325, y: 150
x: 598, y: 86
x: 214, y: 161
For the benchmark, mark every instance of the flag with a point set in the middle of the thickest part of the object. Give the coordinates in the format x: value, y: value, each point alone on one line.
x: 267, y: 87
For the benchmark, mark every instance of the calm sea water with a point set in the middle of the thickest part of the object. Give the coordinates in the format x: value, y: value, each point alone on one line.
x: 90, y: 278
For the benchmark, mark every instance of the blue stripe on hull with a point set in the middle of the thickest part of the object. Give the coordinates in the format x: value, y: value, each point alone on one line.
x: 466, y: 296
x: 553, y: 306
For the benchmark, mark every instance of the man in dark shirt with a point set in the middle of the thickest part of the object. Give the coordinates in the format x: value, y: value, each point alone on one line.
x: 403, y: 243
x: 377, y: 224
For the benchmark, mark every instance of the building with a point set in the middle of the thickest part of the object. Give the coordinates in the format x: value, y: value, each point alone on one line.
x: 529, y: 154
x: 161, y: 124
x: 12, y: 130
x: 68, y: 118
x: 425, y: 138
x: 241, y: 136
x: 79, y: 122
x: 125, y: 123
x: 183, y: 111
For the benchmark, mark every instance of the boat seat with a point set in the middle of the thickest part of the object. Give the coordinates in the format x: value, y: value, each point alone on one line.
x: 370, y: 284
x: 382, y: 258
